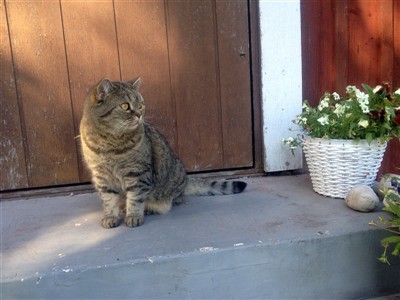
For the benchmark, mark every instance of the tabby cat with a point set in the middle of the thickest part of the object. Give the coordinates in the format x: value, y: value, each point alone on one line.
x: 133, y: 167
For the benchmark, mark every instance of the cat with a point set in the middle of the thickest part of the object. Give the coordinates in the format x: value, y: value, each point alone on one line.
x: 133, y: 168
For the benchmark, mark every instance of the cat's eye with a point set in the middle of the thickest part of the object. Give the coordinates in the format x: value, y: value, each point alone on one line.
x: 139, y: 105
x: 124, y: 106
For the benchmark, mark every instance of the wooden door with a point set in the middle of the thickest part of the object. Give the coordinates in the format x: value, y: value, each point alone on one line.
x: 193, y: 57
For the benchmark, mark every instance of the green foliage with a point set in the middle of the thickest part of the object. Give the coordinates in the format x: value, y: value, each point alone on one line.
x: 391, y: 244
x: 369, y: 114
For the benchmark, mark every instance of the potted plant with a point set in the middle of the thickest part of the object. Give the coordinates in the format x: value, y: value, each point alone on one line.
x: 344, y: 137
x: 391, y: 244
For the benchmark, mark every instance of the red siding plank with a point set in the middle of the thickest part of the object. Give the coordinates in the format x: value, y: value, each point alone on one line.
x: 318, y: 49
x: 370, y: 56
x: 391, y: 162
x: 341, y: 45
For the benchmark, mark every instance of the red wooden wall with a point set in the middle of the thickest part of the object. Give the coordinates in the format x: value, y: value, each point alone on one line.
x: 351, y: 42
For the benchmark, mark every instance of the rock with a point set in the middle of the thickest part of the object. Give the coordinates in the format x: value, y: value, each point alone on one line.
x: 362, y: 198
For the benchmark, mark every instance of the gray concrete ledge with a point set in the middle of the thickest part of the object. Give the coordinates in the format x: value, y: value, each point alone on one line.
x: 279, y: 239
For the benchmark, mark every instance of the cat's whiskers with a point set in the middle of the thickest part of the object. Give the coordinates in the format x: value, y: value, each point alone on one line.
x: 124, y: 126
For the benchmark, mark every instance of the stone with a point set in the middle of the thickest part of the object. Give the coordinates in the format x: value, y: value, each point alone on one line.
x: 362, y: 198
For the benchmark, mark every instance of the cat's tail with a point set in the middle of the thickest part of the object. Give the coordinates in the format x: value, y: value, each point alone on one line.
x: 203, y: 187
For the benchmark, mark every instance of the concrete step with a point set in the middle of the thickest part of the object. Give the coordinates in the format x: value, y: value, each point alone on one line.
x: 277, y: 240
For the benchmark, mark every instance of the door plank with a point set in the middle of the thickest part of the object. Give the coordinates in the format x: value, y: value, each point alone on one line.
x: 13, y: 173
x: 42, y: 84
x: 92, y: 53
x: 234, y: 69
x: 193, y: 60
x: 143, y: 48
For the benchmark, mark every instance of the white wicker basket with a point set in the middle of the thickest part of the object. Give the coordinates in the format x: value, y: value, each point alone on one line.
x: 337, y: 165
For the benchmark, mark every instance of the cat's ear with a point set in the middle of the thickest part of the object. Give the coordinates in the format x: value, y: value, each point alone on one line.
x: 135, y: 83
x: 103, y: 88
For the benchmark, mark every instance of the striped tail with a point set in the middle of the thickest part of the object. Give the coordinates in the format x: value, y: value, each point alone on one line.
x: 202, y: 187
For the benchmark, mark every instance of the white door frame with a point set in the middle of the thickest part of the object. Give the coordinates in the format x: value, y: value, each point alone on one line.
x: 281, y: 80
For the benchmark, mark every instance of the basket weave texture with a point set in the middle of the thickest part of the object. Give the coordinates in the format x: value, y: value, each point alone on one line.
x: 338, y: 165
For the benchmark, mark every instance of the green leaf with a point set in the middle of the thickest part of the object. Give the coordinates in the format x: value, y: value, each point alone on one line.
x: 384, y: 259
x: 396, y: 250
x: 368, y: 89
x: 393, y: 208
x: 369, y: 137
x: 390, y: 240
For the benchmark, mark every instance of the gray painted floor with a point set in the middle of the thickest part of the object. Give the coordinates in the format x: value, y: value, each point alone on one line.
x: 62, y: 235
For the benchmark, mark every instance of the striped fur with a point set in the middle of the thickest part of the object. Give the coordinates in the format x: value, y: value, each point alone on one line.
x: 133, y: 167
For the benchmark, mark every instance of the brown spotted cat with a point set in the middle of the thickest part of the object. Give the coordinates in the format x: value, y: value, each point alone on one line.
x: 131, y: 163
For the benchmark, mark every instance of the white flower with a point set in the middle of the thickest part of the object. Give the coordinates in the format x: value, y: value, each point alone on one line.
x: 306, y: 107
x: 397, y: 92
x: 300, y: 120
x: 387, y: 114
x: 350, y: 89
x: 365, y: 108
x: 324, y: 103
x: 336, y: 96
x: 340, y: 109
x: 289, y: 140
x: 324, y: 120
x: 377, y: 88
x: 362, y: 97
x: 363, y: 123
x: 363, y: 100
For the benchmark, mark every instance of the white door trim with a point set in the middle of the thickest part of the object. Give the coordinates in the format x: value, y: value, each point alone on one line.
x: 281, y: 80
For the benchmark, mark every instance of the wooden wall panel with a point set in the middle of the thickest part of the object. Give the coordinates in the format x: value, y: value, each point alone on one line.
x: 90, y: 40
x: 41, y: 71
x: 365, y: 49
x: 370, y: 42
x: 143, y: 48
x: 341, y: 45
x: 12, y: 161
x: 396, y: 44
x: 391, y: 163
x: 194, y: 79
x: 234, y: 71
x: 318, y: 49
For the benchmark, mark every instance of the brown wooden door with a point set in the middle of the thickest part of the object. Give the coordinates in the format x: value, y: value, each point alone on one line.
x: 193, y: 57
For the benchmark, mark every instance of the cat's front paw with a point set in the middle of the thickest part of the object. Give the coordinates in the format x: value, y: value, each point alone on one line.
x: 134, y: 220
x: 110, y: 222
